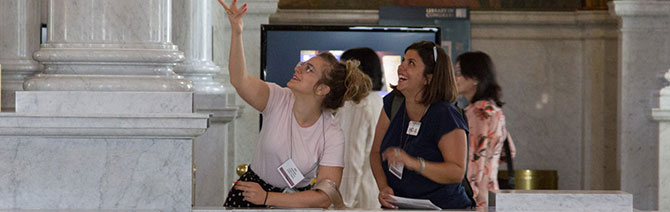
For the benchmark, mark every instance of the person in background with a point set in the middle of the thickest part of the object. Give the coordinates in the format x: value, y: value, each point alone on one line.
x: 299, y: 137
x: 424, y: 142
x: 358, y: 123
x: 476, y: 81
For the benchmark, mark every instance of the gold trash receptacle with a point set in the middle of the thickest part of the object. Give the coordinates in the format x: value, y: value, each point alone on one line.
x: 528, y: 179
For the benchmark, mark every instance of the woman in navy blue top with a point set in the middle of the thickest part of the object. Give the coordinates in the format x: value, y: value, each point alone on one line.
x: 425, y: 141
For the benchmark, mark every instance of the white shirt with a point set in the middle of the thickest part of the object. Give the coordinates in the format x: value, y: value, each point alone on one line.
x: 282, y: 138
x: 358, y: 121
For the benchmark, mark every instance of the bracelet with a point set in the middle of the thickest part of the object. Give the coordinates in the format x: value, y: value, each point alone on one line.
x: 266, y: 197
x: 423, y: 164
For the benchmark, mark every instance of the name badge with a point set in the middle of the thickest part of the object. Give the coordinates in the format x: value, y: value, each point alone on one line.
x: 396, y: 169
x: 290, y: 172
x: 413, y: 128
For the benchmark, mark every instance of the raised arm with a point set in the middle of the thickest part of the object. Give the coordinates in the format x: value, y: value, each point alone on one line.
x: 252, y: 89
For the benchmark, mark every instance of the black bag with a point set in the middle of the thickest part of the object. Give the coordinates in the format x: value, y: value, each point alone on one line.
x: 395, y: 106
x: 509, y: 182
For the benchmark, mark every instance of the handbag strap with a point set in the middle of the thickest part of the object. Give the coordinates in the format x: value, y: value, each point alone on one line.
x: 510, y: 163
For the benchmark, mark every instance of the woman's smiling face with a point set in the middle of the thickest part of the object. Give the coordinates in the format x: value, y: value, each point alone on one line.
x: 411, y: 72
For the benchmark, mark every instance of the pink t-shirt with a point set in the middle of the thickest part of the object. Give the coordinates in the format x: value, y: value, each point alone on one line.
x: 307, y: 146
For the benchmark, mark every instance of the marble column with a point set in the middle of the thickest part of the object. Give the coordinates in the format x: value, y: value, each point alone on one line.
x: 643, y: 47
x: 104, y: 45
x: 662, y: 115
x: 193, y: 34
x: 20, y: 38
x: 243, y: 132
x: 107, y: 124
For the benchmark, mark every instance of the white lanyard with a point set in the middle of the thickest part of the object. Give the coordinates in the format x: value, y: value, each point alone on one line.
x: 289, y: 170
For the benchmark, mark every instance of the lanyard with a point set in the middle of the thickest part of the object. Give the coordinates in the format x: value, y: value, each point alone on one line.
x: 404, y: 129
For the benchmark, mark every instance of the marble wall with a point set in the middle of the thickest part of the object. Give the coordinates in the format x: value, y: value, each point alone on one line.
x: 58, y: 173
x: 107, y: 124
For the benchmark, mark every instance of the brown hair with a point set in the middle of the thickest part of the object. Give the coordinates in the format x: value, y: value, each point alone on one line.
x: 442, y: 86
x: 345, y: 80
x: 479, y: 66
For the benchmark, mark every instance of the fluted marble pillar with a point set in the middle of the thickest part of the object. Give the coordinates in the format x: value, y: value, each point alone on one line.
x: 643, y: 46
x: 193, y: 34
x: 109, y: 45
x: 107, y: 124
x: 662, y: 115
x: 20, y: 37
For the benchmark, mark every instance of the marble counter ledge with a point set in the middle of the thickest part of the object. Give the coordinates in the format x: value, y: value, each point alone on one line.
x: 161, y: 125
x: 222, y: 209
x: 72, y: 210
x: 560, y: 200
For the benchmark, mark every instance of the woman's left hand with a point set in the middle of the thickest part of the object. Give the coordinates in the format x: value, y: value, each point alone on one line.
x: 252, y: 192
x: 397, y: 155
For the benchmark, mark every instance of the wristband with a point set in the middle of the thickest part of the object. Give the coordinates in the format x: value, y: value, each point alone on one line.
x: 422, y: 163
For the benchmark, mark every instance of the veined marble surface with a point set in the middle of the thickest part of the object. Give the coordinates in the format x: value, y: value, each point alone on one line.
x: 97, y: 45
x: 123, y: 20
x: 192, y: 22
x: 157, y: 125
x: 102, y: 102
x: 89, y: 173
x: 215, y: 172
x: 73, y: 210
x: 74, y: 82
x: 560, y: 200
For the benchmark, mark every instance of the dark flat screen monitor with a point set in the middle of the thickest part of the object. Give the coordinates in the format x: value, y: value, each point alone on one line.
x: 283, y: 46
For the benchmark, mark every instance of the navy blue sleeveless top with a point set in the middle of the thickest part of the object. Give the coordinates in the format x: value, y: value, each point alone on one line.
x: 440, y: 119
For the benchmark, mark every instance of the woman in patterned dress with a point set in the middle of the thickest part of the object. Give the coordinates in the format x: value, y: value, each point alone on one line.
x: 475, y: 78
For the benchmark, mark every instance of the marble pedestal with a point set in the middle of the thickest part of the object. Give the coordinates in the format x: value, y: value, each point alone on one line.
x: 563, y: 200
x: 93, y: 150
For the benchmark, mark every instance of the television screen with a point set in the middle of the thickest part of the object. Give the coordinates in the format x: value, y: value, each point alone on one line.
x: 283, y: 46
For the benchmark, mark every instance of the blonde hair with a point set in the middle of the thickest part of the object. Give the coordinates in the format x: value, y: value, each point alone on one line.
x: 345, y: 80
